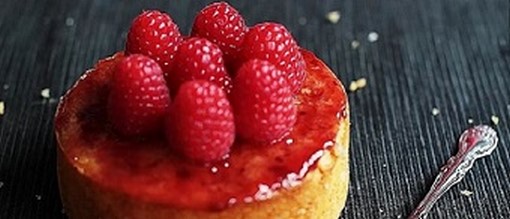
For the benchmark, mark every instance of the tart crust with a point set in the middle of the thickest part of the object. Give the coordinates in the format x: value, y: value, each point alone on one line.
x: 321, y: 193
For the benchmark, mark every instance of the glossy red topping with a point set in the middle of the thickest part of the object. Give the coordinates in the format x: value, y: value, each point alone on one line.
x: 200, y: 124
x: 263, y: 102
x: 149, y: 171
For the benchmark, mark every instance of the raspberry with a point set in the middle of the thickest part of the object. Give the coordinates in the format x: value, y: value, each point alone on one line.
x: 201, y: 123
x: 154, y: 34
x: 272, y: 42
x: 138, y: 98
x: 262, y: 101
x: 198, y: 59
x: 223, y: 25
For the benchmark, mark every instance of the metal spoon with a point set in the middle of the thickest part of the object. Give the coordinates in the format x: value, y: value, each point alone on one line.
x: 474, y: 143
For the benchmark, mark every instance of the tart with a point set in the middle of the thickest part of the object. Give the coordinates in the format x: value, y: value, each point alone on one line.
x: 104, y: 174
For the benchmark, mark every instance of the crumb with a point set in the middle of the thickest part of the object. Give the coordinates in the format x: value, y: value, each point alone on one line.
x: 6, y: 87
x: 38, y: 197
x: 373, y: 36
x: 358, y: 84
x: 466, y: 192
x: 353, y: 86
x: 435, y: 111
x: 45, y: 93
x: 495, y: 119
x: 354, y: 44
x: 384, y: 165
x: 302, y: 21
x: 399, y: 216
x: 1, y: 184
x: 362, y: 82
x: 69, y: 21
x: 333, y: 16
x: 2, y: 108
x: 381, y: 210
x: 470, y: 121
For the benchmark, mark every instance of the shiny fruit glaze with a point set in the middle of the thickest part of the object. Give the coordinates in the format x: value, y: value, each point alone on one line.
x: 148, y: 170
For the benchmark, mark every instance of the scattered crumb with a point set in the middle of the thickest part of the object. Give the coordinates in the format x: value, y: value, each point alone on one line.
x: 2, y: 108
x: 381, y: 210
x: 466, y: 192
x: 1, y: 184
x: 302, y: 21
x: 470, y: 121
x: 435, y: 111
x: 362, y: 82
x: 495, y: 119
x: 45, y: 93
x: 6, y: 87
x: 354, y: 44
x: 353, y: 86
x: 384, y: 165
x: 399, y: 216
x: 358, y: 84
x: 38, y: 197
x: 333, y: 16
x: 69, y: 21
x: 373, y: 36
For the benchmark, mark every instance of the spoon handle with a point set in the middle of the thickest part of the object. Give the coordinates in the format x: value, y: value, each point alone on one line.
x: 474, y: 143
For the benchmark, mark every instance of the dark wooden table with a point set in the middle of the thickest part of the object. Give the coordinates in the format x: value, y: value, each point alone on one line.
x: 452, y: 55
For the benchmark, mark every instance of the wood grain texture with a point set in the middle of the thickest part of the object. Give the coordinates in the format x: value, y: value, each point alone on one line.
x: 448, y: 54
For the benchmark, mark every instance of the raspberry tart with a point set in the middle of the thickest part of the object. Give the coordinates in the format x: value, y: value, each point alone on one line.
x: 230, y: 122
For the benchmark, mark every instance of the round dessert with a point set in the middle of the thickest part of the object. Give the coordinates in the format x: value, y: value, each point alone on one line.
x: 229, y: 122
x: 304, y: 175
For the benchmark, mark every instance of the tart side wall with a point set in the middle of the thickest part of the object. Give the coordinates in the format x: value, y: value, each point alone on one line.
x: 323, y: 192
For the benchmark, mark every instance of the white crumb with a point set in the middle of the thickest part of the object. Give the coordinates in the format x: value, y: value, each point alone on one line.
x: 362, y: 82
x: 373, y: 36
x: 69, y: 21
x: 2, y: 108
x: 466, y: 192
x: 38, y: 197
x: 357, y: 84
x: 435, y: 111
x: 354, y: 44
x: 399, y: 216
x: 495, y: 120
x: 470, y: 121
x: 333, y: 16
x: 45, y: 93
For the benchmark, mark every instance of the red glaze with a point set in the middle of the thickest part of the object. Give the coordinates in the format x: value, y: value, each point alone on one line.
x: 149, y: 171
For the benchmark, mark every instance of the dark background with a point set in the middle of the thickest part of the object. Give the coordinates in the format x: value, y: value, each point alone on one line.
x: 449, y: 54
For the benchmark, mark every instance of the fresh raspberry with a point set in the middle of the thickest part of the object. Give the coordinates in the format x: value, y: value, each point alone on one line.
x: 198, y: 59
x: 154, y: 34
x: 272, y: 42
x: 201, y: 123
x: 262, y: 101
x: 223, y: 25
x: 139, y: 98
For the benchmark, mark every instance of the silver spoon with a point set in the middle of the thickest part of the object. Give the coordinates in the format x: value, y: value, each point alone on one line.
x: 474, y: 143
